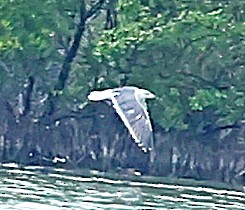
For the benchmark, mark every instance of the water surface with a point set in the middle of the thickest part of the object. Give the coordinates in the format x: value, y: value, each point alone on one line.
x: 51, y: 189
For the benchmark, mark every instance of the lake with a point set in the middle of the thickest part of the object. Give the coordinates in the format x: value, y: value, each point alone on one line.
x: 51, y: 189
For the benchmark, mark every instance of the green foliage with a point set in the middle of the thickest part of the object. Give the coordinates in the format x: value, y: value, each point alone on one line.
x: 206, y: 97
x: 190, y: 53
x: 33, y: 31
x: 229, y: 104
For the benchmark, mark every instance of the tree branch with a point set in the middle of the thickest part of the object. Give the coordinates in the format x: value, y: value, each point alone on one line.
x: 72, y: 52
x: 27, y: 95
x: 95, y: 8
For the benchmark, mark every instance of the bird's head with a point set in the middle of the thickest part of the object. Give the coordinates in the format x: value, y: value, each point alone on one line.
x: 145, y: 94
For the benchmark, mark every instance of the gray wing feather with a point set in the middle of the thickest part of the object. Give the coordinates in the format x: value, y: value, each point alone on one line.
x: 137, y: 117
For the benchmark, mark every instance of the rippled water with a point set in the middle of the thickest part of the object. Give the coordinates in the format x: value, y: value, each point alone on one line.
x: 42, y: 188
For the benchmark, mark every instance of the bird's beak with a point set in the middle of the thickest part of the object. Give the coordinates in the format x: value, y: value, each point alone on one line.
x: 147, y: 94
x: 150, y: 95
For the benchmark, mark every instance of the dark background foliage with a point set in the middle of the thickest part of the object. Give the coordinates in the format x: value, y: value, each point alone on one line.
x: 53, y: 53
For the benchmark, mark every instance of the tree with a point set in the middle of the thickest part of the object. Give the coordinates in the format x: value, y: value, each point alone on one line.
x: 40, y: 40
x: 191, y: 54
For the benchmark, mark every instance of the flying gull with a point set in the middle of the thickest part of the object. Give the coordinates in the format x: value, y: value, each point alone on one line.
x: 129, y: 103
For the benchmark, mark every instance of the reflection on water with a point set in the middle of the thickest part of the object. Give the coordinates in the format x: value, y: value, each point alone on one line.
x: 39, y: 188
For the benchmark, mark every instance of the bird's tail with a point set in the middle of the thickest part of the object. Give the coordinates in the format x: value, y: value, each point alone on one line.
x: 100, y: 95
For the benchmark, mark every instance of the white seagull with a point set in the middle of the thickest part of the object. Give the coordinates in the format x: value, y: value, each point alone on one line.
x: 129, y: 103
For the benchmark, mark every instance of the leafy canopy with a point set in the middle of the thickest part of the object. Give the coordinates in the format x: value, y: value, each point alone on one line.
x: 190, y: 53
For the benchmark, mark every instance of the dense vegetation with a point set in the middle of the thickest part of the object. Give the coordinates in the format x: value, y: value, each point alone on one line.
x: 189, y: 53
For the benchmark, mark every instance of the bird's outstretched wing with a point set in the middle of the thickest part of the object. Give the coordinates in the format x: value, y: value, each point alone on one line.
x: 135, y: 117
